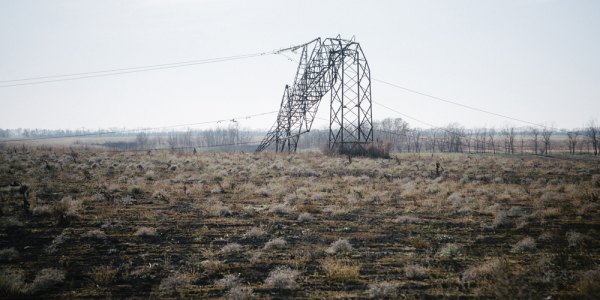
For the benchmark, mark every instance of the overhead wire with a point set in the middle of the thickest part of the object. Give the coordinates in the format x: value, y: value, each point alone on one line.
x: 119, y: 71
x: 459, y: 104
x: 443, y: 100
x: 189, y: 147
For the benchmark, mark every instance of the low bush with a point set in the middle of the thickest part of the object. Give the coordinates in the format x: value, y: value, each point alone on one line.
x: 145, y: 232
x: 45, y: 279
x: 526, y: 244
x: 277, y: 243
x: 339, y: 246
x: 282, y: 278
x: 340, y: 270
x: 383, y: 290
x: 9, y: 254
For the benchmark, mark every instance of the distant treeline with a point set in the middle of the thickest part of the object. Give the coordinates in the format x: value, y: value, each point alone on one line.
x: 38, y: 133
x: 395, y: 134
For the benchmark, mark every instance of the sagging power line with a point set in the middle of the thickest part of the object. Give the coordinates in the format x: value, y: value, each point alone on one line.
x: 459, y: 104
x: 120, y: 71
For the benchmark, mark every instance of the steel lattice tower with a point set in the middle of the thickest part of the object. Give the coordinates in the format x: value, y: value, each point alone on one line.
x: 335, y: 66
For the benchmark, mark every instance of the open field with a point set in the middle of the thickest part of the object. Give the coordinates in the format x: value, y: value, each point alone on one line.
x: 211, y: 225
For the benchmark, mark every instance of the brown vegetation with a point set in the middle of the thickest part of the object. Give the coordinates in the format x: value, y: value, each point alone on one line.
x: 235, y: 225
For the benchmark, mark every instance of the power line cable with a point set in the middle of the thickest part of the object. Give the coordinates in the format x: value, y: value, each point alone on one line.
x: 119, y: 71
x: 134, y: 68
x: 131, y: 70
x: 460, y: 104
x: 444, y: 100
x: 190, y: 147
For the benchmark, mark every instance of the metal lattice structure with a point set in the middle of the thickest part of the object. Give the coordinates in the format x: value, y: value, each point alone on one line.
x: 335, y: 66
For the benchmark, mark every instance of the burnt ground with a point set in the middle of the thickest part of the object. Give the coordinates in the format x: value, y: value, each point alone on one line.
x: 486, y: 227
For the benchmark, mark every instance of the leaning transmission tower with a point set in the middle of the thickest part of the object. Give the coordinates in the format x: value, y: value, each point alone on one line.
x: 337, y: 67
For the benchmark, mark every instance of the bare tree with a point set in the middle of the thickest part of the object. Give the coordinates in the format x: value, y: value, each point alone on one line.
x: 483, y: 137
x: 572, y: 140
x: 468, y: 137
x: 593, y: 133
x: 417, y: 141
x: 491, y: 135
x: 187, y: 138
x: 453, y: 137
x: 509, y: 139
x: 393, y: 130
x: 172, y: 140
x: 433, y: 142
x: 546, y: 134
x: 535, y: 134
x: 141, y: 139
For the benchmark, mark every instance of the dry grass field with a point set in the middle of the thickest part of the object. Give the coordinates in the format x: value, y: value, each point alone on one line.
x: 242, y: 225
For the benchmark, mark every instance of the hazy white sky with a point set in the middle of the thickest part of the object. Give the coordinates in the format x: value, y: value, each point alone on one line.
x: 530, y: 59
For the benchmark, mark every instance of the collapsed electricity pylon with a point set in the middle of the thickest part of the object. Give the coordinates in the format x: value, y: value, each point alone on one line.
x: 335, y: 66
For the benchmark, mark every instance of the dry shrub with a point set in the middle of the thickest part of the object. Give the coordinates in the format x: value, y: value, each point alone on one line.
x: 231, y: 248
x: 482, y: 271
x: 59, y: 240
x: 9, y: 254
x: 11, y: 222
x: 211, y: 266
x: 240, y: 293
x: 67, y: 207
x: 449, y: 251
x: 280, y: 209
x: 380, y: 149
x: 215, y: 208
x: 282, y: 277
x: 526, y: 244
x: 228, y: 282
x: 419, y: 242
x: 501, y: 219
x: 516, y: 211
x: 543, y: 270
x: 408, y: 220
x: 135, y: 190
x: 495, y: 279
x: 255, y: 232
x: 588, y: 285
x: 290, y: 199
x: 145, y: 232
x: 42, y: 210
x: 336, y: 210
x: 45, y: 279
x: 550, y: 213
x: 171, y: 284
x: 103, y: 275
x: 339, y: 246
x: 340, y: 270
x: 383, y: 290
x: 277, y: 243
x: 12, y: 282
x: 160, y: 195
x: 414, y: 271
x: 574, y: 238
x: 96, y: 234
x: 305, y: 216
x: 264, y: 191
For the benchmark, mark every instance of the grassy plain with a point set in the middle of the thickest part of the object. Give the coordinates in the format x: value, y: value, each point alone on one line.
x: 242, y: 225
